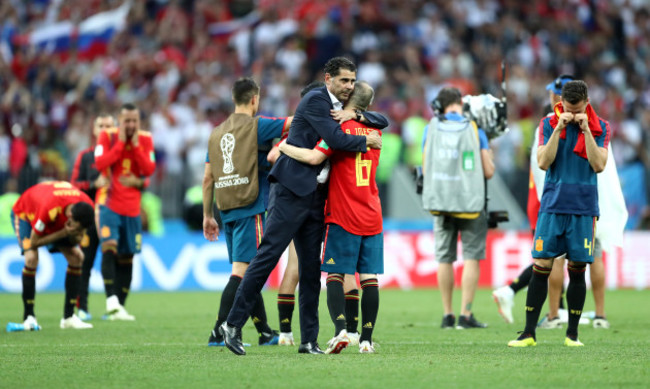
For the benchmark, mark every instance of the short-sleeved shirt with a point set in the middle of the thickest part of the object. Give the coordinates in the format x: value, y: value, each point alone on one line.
x: 353, y: 198
x: 43, y: 205
x: 571, y: 185
x: 268, y: 128
x: 119, y: 159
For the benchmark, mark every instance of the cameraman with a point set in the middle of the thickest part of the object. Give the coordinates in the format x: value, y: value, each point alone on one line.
x: 457, y: 161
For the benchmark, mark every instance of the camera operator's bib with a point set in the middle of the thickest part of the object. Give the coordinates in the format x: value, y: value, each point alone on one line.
x: 454, y: 182
x: 232, y: 151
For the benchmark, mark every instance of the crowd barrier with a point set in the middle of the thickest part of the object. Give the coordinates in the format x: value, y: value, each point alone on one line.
x: 184, y: 260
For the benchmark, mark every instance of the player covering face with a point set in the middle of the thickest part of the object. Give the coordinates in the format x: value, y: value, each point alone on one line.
x: 126, y: 156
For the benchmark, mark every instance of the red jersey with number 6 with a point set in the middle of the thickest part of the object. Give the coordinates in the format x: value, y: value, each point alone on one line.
x: 353, y: 198
x: 116, y: 159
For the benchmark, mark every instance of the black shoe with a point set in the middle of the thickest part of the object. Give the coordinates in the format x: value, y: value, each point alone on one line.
x: 309, y: 348
x: 269, y: 339
x: 232, y: 338
x: 448, y: 321
x: 465, y: 322
x: 215, y: 339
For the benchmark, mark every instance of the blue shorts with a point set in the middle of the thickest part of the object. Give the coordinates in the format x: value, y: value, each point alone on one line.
x: 126, y: 230
x: 557, y: 234
x: 23, y: 231
x: 243, y: 236
x: 348, y: 253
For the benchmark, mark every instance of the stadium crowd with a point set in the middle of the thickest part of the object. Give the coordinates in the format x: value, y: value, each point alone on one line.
x: 177, y: 60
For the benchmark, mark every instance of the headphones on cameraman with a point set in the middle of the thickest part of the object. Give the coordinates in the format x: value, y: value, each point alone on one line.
x: 449, y: 94
x: 436, y: 106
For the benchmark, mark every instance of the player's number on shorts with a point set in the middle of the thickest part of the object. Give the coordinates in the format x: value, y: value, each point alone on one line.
x: 363, y: 167
x: 126, y: 167
x: 588, y: 245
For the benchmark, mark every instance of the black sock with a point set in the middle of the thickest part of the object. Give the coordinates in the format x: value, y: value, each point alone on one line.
x: 286, y: 304
x: 369, y: 308
x: 227, y: 298
x: 90, y: 251
x: 72, y: 281
x: 109, y: 263
x: 562, y: 297
x: 352, y: 310
x: 537, y: 290
x: 258, y: 316
x: 123, y: 280
x: 336, y: 301
x: 523, y: 280
x: 29, y: 291
x: 575, y: 297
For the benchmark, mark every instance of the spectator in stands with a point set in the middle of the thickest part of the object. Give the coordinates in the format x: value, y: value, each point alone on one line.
x: 179, y: 46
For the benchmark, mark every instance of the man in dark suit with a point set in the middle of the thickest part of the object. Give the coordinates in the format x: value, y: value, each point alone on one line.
x: 296, y: 204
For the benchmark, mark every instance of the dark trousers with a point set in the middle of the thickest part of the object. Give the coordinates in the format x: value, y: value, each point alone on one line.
x: 90, y: 252
x: 289, y: 217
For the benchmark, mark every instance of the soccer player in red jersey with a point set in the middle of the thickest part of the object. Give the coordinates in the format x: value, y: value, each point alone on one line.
x: 53, y: 214
x: 126, y: 156
x: 354, y: 225
x: 290, y: 278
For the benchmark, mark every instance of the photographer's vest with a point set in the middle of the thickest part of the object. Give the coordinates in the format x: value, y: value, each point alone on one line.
x: 232, y: 150
x: 454, y: 183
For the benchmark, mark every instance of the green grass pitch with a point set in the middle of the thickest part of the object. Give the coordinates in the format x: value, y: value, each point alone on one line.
x: 167, y: 348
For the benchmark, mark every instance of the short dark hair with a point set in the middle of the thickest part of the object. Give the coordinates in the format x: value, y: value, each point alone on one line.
x: 446, y: 97
x: 84, y: 213
x: 128, y: 107
x: 310, y: 87
x: 333, y: 66
x: 244, y: 89
x: 575, y: 92
x: 362, y: 95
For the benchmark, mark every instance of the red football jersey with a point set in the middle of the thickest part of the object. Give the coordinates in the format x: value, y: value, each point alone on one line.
x: 353, y: 198
x: 43, y: 205
x: 115, y: 158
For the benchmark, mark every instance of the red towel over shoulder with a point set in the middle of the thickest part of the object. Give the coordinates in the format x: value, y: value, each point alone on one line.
x: 594, y: 126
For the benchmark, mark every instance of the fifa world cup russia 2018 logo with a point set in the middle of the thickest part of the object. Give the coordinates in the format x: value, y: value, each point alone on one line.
x: 227, y: 147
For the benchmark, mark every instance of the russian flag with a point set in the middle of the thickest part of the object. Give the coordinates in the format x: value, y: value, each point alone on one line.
x: 53, y: 38
x: 95, y: 33
x: 7, y: 32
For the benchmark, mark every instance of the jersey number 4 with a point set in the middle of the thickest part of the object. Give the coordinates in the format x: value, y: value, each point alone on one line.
x: 363, y: 167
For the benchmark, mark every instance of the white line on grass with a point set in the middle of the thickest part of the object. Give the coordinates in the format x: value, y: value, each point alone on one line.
x: 401, y: 343
x: 41, y: 345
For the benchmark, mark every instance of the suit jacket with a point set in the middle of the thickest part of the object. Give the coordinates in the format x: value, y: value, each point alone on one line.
x: 311, y: 122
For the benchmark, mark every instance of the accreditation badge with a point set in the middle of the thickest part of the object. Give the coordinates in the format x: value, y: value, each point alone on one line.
x: 468, y: 160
